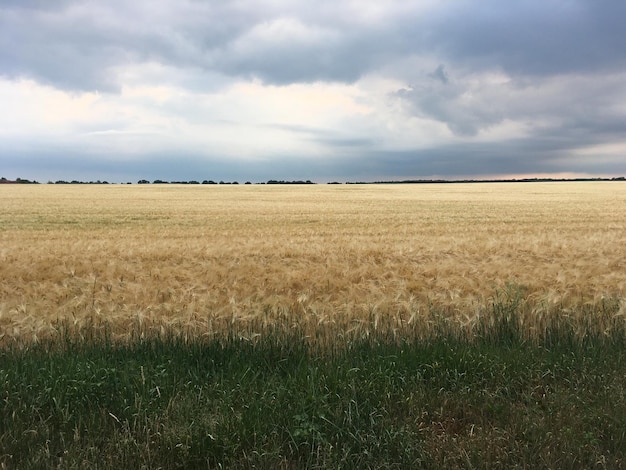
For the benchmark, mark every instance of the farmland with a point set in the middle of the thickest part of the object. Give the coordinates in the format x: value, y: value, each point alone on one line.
x: 326, y: 326
x: 195, y: 256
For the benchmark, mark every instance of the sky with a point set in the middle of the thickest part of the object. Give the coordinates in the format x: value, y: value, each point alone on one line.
x: 330, y: 90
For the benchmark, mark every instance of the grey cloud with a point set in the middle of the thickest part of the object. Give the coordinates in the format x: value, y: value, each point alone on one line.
x: 440, y: 74
x: 469, y: 103
x: 478, y: 160
x: 62, y: 163
x: 546, y: 153
x: 451, y: 102
x: 328, y: 138
x: 79, y: 44
x: 536, y: 37
x: 65, y: 47
x: 35, y: 4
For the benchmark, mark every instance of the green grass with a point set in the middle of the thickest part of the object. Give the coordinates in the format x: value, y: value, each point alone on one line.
x: 496, y: 399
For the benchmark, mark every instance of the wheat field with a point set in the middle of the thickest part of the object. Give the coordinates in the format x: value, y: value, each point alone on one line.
x: 201, y: 258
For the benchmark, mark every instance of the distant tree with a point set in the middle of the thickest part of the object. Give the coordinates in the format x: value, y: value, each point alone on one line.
x: 143, y: 182
x: 289, y: 182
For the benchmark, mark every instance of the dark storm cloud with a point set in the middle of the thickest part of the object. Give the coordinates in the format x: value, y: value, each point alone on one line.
x: 515, y: 157
x: 579, y: 104
x: 77, y: 43
x: 532, y: 37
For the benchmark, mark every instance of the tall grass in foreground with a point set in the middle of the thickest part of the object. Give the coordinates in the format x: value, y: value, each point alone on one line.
x: 487, y: 395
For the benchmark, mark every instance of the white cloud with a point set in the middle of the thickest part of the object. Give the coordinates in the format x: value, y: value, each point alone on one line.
x: 32, y: 109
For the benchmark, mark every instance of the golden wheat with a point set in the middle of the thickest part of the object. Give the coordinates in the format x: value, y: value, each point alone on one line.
x: 200, y: 258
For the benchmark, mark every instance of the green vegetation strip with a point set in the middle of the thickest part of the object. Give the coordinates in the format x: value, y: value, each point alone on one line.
x: 496, y: 400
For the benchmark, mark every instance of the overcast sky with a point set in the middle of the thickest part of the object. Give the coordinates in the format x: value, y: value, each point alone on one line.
x: 347, y: 90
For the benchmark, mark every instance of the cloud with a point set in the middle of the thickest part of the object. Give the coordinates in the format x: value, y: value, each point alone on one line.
x: 470, y: 104
x: 536, y: 38
x: 369, y: 88
x: 75, y: 44
x: 440, y: 74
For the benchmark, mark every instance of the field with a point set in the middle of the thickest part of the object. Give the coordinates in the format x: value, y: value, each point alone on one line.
x: 195, y: 256
x: 320, y: 326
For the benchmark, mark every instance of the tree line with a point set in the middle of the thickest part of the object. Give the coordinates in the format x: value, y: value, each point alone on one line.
x: 4, y: 180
